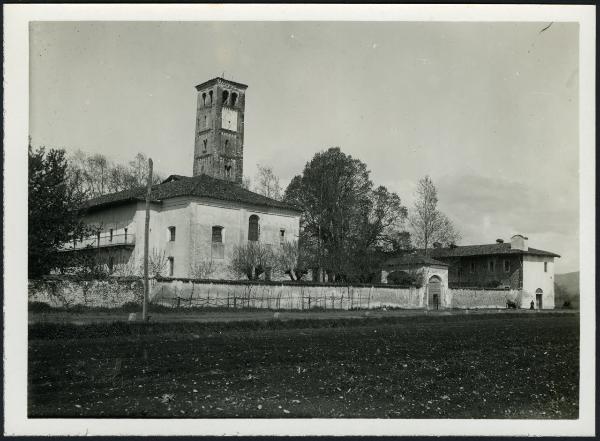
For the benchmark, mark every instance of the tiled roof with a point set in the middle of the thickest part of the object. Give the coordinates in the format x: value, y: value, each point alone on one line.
x: 201, y: 186
x: 413, y: 259
x: 484, y: 250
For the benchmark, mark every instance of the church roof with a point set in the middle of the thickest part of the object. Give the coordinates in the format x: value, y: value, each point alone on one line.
x: 201, y: 186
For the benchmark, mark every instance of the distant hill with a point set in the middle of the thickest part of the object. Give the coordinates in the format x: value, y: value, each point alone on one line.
x: 566, y: 289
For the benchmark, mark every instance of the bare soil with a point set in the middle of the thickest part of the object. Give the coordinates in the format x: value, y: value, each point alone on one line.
x: 493, y: 365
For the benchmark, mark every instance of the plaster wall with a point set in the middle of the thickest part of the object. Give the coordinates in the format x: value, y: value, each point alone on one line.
x: 534, y: 277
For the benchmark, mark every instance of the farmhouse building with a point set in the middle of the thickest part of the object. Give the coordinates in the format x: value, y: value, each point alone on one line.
x: 195, y: 222
x: 511, y: 265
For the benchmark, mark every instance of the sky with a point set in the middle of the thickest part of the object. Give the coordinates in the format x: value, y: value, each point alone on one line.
x: 488, y: 110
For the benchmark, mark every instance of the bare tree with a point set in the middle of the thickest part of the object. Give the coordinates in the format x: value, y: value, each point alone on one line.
x: 96, y: 175
x: 252, y: 259
x: 202, y: 269
x: 267, y: 183
x: 428, y: 224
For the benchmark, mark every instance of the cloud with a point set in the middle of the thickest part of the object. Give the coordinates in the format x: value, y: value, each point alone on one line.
x: 486, y: 208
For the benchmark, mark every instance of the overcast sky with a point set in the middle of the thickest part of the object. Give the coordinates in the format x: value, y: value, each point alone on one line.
x: 488, y: 110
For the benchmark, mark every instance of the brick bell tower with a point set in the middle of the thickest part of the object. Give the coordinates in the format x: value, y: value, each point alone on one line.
x: 219, y: 145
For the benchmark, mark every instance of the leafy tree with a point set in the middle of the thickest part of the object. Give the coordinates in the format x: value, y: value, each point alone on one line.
x: 428, y: 224
x: 346, y: 222
x: 53, y: 217
x: 267, y: 183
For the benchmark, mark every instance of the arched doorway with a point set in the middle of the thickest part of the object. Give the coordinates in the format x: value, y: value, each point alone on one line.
x: 434, y: 290
x: 539, y: 294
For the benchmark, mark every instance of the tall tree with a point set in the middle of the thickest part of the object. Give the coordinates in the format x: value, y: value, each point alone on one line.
x: 267, y: 183
x: 53, y: 204
x: 97, y: 175
x: 428, y: 224
x: 344, y: 220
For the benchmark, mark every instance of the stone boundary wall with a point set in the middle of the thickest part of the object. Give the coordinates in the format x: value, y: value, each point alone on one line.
x: 283, y: 296
x: 479, y: 298
x: 66, y: 293
x: 114, y: 293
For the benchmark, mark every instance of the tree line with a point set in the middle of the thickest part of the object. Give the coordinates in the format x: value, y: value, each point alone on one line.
x: 348, y: 225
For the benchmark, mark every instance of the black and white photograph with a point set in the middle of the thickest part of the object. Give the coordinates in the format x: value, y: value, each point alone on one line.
x: 377, y: 220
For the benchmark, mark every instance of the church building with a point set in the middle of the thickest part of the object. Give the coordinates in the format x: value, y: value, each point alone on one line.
x: 195, y: 222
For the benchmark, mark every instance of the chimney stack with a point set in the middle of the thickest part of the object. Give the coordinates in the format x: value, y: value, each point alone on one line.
x: 518, y: 242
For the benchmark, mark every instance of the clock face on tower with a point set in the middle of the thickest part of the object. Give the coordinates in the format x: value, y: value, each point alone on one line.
x: 229, y: 119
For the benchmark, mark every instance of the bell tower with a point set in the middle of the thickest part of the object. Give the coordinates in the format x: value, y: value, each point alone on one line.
x: 219, y: 145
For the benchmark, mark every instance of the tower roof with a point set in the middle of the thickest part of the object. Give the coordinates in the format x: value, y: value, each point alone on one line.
x: 221, y: 81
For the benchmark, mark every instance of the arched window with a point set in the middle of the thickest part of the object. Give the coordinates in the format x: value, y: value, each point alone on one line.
x: 210, y: 97
x: 205, y: 142
x: 233, y: 99
x: 253, y: 228
x: 204, y: 99
x: 225, y: 96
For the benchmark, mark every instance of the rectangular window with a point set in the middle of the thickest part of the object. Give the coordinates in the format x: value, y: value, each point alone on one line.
x: 491, y: 266
x: 507, y: 266
x: 217, y: 234
x: 110, y: 237
x: 172, y: 234
x: 545, y: 267
x: 218, y: 248
x: 472, y: 267
x: 171, y: 266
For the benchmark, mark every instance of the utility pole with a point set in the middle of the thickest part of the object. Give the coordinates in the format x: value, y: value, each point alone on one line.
x: 146, y: 242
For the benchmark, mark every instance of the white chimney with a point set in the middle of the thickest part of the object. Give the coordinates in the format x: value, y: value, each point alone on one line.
x: 518, y: 242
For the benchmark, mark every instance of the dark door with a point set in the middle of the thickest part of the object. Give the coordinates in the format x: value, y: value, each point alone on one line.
x: 538, y: 301
x: 435, y: 293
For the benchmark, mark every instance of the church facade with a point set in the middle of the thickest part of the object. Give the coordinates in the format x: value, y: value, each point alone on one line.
x: 195, y: 222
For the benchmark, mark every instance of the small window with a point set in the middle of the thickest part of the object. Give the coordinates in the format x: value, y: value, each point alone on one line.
x: 205, y: 122
x: 217, y: 234
x: 125, y: 235
x: 205, y: 142
x: 472, y: 267
x: 225, y: 97
x: 110, y: 237
x: 253, y: 228
x: 172, y: 234
x: 210, y: 97
x: 171, y: 266
x: 491, y: 266
x: 545, y: 267
x: 507, y: 266
x: 233, y: 99
x: 204, y: 99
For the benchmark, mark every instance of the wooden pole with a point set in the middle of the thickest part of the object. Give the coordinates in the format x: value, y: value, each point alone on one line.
x: 146, y: 242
